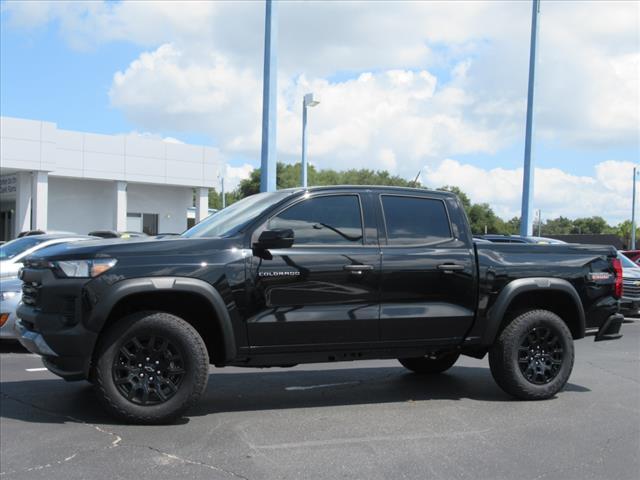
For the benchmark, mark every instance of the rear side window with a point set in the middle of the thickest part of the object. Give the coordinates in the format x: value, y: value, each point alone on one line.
x: 329, y: 220
x: 415, y: 221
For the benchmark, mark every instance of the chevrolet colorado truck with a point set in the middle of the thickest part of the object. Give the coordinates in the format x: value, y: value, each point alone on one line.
x: 323, y: 274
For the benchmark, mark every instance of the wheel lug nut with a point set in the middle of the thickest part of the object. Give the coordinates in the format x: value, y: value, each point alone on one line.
x: 150, y: 378
x: 140, y: 365
x: 158, y: 372
x: 157, y: 362
x: 142, y: 374
x: 147, y: 359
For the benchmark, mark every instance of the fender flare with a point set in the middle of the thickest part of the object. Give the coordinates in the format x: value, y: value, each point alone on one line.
x: 496, y: 313
x: 125, y: 288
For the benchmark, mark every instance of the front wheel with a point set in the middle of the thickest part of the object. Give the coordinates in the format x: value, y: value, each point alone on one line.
x: 151, y: 367
x: 533, y: 356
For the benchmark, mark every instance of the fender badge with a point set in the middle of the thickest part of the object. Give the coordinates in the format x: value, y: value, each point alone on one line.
x: 279, y: 274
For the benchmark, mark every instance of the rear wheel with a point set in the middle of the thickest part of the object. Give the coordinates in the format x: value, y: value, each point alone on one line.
x: 432, y: 363
x: 533, y: 356
x: 151, y: 367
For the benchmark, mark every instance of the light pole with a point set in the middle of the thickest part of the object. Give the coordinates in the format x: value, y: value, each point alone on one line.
x: 633, y: 210
x: 539, y: 222
x: 269, y: 99
x: 224, y: 200
x: 527, y: 180
x: 307, y: 101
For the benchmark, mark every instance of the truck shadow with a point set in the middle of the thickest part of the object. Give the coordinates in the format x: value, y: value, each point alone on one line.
x: 56, y: 401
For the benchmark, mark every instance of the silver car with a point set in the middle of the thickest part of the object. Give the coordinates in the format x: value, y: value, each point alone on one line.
x: 10, y: 296
x: 630, y: 301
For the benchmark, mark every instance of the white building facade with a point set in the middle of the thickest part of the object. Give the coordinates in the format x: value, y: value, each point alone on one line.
x: 61, y: 180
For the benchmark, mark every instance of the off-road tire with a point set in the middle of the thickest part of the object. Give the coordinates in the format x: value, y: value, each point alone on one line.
x: 187, y: 342
x: 430, y: 364
x: 506, y: 356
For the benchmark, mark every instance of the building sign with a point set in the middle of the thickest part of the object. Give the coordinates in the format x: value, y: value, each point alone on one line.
x: 8, y: 184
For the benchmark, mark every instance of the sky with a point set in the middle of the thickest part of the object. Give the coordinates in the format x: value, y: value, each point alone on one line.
x: 432, y: 87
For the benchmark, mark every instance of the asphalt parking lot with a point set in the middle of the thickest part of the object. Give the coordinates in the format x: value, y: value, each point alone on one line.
x: 366, y: 420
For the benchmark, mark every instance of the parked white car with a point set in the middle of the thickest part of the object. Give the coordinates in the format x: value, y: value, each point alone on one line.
x: 10, y: 296
x: 13, y: 253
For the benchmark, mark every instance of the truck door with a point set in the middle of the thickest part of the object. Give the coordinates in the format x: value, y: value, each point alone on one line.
x: 324, y: 290
x: 427, y: 289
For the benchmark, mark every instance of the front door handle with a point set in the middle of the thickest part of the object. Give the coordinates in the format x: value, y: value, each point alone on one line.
x: 357, y: 269
x: 451, y: 267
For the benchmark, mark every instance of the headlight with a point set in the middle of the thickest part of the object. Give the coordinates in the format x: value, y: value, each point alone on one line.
x: 85, y: 268
x: 7, y: 295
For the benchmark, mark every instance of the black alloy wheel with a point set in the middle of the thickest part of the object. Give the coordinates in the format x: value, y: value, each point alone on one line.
x: 148, y: 370
x: 540, y: 355
x: 150, y: 367
x: 533, y: 356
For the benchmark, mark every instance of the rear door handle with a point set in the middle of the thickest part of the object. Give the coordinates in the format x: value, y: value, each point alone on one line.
x: 450, y: 267
x: 357, y: 269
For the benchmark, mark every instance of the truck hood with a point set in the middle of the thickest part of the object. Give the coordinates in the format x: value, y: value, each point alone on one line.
x: 118, y: 248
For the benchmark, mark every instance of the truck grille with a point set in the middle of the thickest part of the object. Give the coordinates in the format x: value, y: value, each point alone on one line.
x: 30, y: 293
x: 630, y: 289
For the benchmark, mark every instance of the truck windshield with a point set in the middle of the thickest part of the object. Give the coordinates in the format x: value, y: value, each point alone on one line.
x: 230, y: 220
x: 626, y: 263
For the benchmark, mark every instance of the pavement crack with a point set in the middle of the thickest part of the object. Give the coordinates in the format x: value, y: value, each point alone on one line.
x: 593, y: 364
x: 116, y: 438
x: 40, y: 467
x: 193, y: 462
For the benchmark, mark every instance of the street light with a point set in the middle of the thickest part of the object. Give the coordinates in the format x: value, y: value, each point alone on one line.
x: 633, y: 209
x: 307, y: 101
x: 224, y: 200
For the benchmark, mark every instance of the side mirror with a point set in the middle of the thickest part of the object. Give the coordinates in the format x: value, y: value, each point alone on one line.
x: 279, y: 238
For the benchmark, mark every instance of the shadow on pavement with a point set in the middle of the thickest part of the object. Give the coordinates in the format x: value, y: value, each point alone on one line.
x: 56, y: 401
x: 11, y: 346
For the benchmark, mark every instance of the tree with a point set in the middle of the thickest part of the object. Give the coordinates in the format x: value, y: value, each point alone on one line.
x: 589, y: 225
x: 466, y: 203
x: 623, y: 230
x: 288, y: 176
x: 557, y: 226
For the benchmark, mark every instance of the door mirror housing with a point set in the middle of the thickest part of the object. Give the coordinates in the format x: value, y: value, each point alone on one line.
x: 278, y: 238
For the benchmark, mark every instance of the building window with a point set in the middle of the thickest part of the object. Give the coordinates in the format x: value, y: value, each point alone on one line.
x: 142, y: 222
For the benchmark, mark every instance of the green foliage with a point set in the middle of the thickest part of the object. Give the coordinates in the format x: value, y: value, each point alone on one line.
x: 623, y: 230
x: 288, y: 176
x: 557, y: 226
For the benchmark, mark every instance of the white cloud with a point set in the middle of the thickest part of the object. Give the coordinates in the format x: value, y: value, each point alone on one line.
x: 154, y: 136
x: 588, y: 73
x: 394, y: 119
x: 555, y: 191
x: 234, y: 175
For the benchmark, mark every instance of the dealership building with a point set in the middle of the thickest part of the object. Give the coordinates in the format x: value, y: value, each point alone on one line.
x: 61, y: 180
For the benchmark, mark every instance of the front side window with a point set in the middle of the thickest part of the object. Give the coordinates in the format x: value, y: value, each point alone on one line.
x: 230, y: 220
x: 415, y: 221
x: 330, y: 220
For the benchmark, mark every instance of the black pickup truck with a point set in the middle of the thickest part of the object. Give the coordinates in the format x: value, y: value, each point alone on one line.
x: 323, y: 274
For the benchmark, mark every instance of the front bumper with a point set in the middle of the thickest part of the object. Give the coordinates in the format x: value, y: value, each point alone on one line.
x: 50, y: 323
x: 610, y: 329
x: 67, y: 367
x: 630, y: 306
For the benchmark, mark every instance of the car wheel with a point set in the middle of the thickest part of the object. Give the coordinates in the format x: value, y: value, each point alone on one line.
x: 150, y: 368
x: 533, y: 356
x: 433, y: 363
